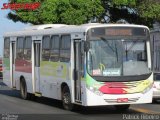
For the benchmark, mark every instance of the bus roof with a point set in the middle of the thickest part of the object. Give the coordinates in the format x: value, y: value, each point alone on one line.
x: 62, y: 28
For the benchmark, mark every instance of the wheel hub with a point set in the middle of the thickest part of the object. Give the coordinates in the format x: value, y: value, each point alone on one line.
x: 66, y: 98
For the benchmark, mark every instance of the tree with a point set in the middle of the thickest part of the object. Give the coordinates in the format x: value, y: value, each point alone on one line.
x: 119, y: 9
x: 81, y: 11
x: 134, y: 11
x: 58, y: 11
x: 149, y: 10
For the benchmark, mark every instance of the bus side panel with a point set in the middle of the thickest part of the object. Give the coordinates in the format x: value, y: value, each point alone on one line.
x: 28, y: 80
x: 6, y: 71
x: 52, y: 74
x: 23, y: 68
x: 6, y: 62
x: 23, y: 63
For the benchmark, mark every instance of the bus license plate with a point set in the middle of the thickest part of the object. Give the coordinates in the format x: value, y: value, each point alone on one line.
x: 121, y: 100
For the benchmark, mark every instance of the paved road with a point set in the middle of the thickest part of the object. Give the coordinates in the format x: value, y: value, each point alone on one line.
x: 12, y: 106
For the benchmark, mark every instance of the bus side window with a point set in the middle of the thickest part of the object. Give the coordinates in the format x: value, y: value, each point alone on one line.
x: 65, y: 48
x: 27, y: 48
x: 46, y: 48
x: 20, y: 48
x: 54, y: 53
x: 6, y: 47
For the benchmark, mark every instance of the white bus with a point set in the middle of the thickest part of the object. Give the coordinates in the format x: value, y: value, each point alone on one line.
x: 89, y: 65
x: 155, y: 47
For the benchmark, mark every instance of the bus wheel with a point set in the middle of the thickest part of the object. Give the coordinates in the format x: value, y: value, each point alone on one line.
x: 66, y: 98
x: 154, y: 101
x: 122, y: 107
x: 23, y: 90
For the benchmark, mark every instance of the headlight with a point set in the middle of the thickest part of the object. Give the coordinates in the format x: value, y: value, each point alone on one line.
x: 94, y: 90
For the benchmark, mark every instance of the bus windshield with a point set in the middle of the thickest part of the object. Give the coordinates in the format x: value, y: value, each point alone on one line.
x: 119, y: 56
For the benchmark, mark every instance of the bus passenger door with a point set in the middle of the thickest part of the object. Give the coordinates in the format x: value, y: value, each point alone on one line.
x: 37, y: 48
x: 77, y: 70
x: 13, y: 82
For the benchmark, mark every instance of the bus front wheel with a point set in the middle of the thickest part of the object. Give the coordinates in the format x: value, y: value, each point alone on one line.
x: 66, y: 99
x: 122, y: 107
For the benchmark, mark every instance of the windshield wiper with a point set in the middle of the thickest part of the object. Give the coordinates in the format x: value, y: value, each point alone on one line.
x: 126, y: 50
x: 106, y: 41
x: 115, y: 51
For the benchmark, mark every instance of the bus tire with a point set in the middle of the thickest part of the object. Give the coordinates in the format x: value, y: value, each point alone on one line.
x: 66, y: 98
x: 23, y: 90
x: 122, y: 107
x: 155, y: 101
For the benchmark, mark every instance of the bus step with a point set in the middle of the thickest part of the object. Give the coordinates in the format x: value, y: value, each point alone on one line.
x: 78, y: 101
x: 38, y: 94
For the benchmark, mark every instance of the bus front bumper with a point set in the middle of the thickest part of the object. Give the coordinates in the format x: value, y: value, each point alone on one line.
x: 93, y: 99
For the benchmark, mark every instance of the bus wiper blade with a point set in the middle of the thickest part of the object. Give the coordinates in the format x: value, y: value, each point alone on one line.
x: 106, y: 41
x: 115, y: 51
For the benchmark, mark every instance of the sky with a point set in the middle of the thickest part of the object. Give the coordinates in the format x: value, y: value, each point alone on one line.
x: 7, y: 25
